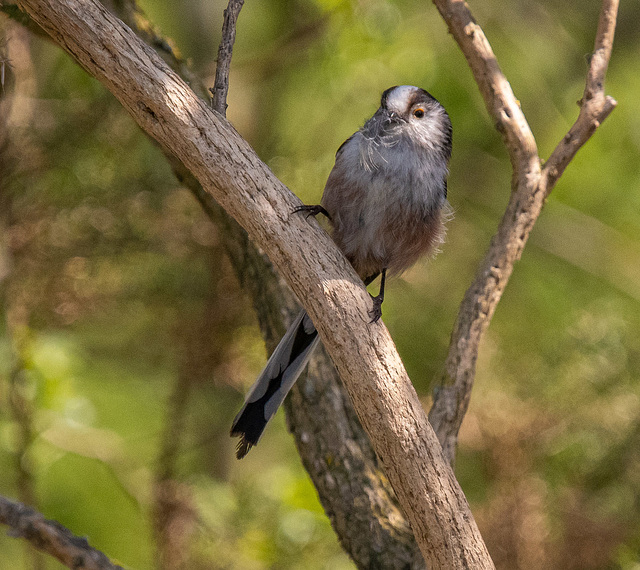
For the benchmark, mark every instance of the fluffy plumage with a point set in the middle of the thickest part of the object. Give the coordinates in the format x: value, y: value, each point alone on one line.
x: 385, y: 197
x: 387, y: 189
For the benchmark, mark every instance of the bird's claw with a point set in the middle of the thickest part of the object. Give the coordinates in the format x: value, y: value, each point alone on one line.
x: 312, y: 210
x: 376, y: 311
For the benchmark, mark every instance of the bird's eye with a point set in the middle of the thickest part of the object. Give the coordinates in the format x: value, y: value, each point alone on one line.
x: 418, y: 113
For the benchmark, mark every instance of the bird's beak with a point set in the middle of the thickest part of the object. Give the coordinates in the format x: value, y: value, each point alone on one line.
x: 392, y: 117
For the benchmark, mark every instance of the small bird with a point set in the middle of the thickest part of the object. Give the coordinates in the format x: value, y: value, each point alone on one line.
x: 386, y: 198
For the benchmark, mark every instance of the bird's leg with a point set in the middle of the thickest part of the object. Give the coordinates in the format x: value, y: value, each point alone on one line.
x: 376, y: 312
x: 312, y: 211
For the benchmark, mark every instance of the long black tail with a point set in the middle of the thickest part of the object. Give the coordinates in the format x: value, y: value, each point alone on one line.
x: 281, y: 372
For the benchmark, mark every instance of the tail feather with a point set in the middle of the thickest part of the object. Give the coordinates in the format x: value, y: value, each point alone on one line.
x: 270, y: 389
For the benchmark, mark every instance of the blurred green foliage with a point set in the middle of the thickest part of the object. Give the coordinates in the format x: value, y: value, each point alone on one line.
x: 122, y: 313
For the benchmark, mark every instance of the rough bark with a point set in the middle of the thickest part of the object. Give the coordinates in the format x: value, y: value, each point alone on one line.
x: 230, y: 171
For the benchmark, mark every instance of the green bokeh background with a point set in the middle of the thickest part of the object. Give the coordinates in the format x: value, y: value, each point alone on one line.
x: 118, y: 299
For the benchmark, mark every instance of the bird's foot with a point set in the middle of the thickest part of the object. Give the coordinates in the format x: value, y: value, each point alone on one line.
x: 313, y: 210
x: 376, y: 311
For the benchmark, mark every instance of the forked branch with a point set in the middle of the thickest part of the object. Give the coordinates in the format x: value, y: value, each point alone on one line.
x: 359, y: 502
x: 531, y: 184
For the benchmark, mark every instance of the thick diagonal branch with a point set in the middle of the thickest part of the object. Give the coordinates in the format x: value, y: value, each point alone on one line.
x: 359, y: 501
x: 318, y: 273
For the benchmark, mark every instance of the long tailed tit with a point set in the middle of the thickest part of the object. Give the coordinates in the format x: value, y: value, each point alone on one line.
x: 385, y: 198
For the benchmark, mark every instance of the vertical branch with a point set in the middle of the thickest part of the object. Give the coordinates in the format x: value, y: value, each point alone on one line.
x: 202, y: 345
x: 500, y: 101
x: 225, y: 50
x: 21, y: 403
x: 20, y: 400
x: 169, y: 502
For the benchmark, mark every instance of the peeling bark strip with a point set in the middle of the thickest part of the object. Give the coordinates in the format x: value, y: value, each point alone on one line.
x: 231, y: 172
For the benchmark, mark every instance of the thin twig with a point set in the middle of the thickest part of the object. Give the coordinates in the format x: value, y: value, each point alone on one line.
x: 595, y: 106
x: 531, y: 185
x: 51, y: 537
x: 225, y: 50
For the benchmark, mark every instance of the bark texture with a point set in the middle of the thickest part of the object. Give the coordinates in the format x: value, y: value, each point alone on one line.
x: 229, y: 170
